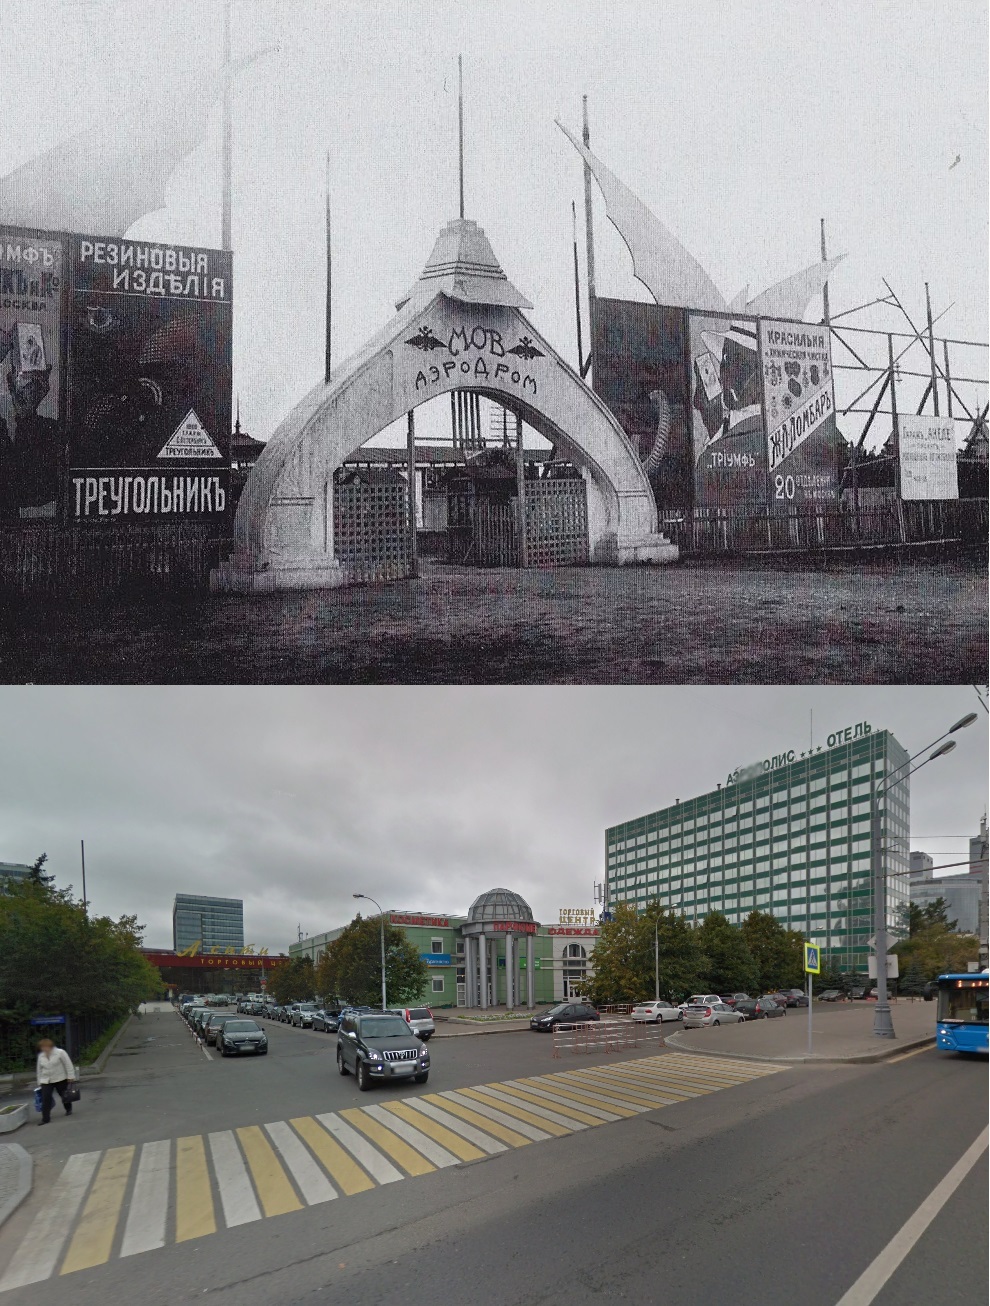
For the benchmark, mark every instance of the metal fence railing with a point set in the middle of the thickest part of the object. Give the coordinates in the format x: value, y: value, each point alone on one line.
x: 613, y: 1034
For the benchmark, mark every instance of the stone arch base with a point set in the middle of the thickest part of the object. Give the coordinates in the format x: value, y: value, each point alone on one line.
x: 283, y: 530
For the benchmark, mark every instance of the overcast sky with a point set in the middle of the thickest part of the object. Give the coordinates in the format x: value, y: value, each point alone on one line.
x: 741, y: 123
x: 293, y: 799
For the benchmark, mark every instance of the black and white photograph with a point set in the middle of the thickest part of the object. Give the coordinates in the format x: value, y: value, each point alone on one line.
x: 556, y: 344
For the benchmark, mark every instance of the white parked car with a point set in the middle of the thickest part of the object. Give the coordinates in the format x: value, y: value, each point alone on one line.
x: 711, y: 1013
x: 700, y: 1000
x: 656, y: 1012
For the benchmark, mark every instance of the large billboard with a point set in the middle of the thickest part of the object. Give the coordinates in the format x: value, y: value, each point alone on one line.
x: 149, y: 409
x: 724, y: 411
x: 32, y: 296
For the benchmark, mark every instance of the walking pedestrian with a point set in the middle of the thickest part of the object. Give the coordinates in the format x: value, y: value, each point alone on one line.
x: 55, y: 1075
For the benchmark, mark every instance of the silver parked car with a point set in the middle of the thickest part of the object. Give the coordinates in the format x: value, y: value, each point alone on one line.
x: 656, y: 1011
x: 711, y: 1013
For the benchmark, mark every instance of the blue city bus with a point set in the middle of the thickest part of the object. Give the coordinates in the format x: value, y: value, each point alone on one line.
x: 962, y: 1012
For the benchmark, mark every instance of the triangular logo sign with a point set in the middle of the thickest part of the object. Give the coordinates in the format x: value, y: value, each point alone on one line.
x: 190, y: 440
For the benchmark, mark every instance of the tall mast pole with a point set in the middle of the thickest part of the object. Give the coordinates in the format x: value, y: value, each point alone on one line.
x: 329, y: 307
x: 931, y: 349
x: 590, y: 237
x: 225, y: 148
x: 82, y: 854
x: 460, y: 128
x: 828, y: 318
x: 577, y: 289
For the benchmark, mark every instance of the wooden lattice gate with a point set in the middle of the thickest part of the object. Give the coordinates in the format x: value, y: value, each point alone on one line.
x: 556, y: 523
x: 371, y: 530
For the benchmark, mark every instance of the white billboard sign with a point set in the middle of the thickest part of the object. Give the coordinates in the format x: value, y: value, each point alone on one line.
x: 928, y: 458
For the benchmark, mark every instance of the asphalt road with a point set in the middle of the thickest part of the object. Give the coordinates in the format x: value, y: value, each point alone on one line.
x: 782, y: 1188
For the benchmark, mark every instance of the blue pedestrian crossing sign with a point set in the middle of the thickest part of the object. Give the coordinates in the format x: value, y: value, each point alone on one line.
x: 812, y: 959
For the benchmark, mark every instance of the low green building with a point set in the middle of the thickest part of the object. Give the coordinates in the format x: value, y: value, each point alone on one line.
x: 487, y: 957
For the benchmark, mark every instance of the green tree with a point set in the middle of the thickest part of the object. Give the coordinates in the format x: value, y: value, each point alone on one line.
x: 680, y: 957
x: 38, y: 876
x: 623, y: 959
x: 294, y: 982
x: 935, y: 916
x: 830, y: 978
x: 350, y: 969
x: 728, y: 964
x: 778, y: 952
x: 913, y: 981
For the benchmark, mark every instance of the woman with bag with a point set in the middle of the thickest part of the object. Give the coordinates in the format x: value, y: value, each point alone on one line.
x: 56, y: 1074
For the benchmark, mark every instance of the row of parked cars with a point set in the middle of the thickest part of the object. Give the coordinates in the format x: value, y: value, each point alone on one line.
x: 309, y: 1015
x: 230, y: 1032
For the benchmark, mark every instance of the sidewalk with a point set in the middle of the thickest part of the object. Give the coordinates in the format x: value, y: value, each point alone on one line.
x: 842, y: 1032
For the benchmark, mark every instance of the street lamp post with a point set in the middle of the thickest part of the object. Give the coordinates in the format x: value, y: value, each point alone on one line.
x: 381, y: 917
x: 883, y: 1025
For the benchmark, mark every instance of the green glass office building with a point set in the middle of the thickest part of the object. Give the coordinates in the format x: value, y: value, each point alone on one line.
x: 790, y: 836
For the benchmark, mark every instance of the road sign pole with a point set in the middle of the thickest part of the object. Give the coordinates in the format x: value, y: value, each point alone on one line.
x: 809, y: 1012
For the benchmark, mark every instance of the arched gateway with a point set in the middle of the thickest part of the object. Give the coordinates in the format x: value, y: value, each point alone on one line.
x: 460, y: 328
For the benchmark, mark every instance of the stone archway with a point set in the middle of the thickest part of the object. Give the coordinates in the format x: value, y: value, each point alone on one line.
x: 461, y: 328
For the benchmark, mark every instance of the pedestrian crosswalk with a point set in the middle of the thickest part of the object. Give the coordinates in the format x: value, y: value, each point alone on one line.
x: 132, y: 1199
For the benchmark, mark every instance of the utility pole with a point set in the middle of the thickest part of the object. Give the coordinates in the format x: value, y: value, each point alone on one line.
x: 329, y: 303
x: 82, y: 854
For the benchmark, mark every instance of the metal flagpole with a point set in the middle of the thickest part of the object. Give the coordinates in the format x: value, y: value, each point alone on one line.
x: 590, y: 240
x: 327, y: 342
x: 82, y: 854
x: 460, y: 127
x: 577, y: 289
x: 225, y: 151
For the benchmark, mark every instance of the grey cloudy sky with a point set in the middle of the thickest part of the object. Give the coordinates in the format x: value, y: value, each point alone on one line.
x: 739, y: 122
x: 293, y: 799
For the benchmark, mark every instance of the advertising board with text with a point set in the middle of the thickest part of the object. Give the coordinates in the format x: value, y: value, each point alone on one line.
x: 32, y: 327
x: 928, y: 458
x: 149, y: 404
x: 799, y: 406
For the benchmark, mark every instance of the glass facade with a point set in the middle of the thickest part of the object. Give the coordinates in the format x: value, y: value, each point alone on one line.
x: 212, y: 922
x: 793, y: 840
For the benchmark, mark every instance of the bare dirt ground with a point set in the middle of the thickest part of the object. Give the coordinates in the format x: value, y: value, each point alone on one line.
x: 885, y: 620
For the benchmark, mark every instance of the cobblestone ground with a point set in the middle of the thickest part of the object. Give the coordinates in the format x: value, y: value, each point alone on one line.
x: 883, y: 621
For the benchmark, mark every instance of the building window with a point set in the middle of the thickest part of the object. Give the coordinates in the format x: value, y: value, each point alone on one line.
x: 436, y: 945
x: 437, y: 982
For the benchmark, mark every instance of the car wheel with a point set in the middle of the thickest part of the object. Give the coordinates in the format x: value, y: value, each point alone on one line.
x: 714, y: 1022
x: 264, y: 1052
x: 421, y: 1079
x: 340, y: 1063
x: 363, y: 1078
x: 223, y: 1052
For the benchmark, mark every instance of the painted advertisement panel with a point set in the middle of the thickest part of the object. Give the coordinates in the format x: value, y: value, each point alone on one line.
x: 149, y: 407
x: 799, y: 403
x: 729, y: 443
x: 639, y: 351
x: 32, y: 294
x: 928, y: 458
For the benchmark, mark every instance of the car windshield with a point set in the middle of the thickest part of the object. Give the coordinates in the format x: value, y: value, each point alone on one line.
x: 241, y: 1027
x: 384, y: 1027
x: 558, y: 1010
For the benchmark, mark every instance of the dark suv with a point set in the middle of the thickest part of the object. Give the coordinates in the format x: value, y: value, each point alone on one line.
x: 380, y: 1045
x: 565, y: 1013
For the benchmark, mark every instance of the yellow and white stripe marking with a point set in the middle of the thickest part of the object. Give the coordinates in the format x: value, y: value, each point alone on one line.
x: 128, y: 1200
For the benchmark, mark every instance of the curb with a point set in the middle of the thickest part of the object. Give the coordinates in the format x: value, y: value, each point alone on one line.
x: 489, y: 1029
x: 11, y: 1155
x: 859, y: 1058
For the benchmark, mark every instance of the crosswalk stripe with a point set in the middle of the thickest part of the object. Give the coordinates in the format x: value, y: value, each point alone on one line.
x: 359, y: 1147
x: 704, y: 1073
x: 540, y: 1119
x: 388, y: 1140
x: 566, y: 1112
x: 552, y: 1093
x: 744, y: 1069
x: 446, y: 1120
x: 622, y: 1093
x: 676, y: 1078
x: 310, y: 1179
x: 414, y: 1136
x: 342, y: 1168
x: 39, y: 1251
x: 454, y: 1140
x: 472, y: 1119
x: 646, y: 1079
x: 649, y: 1084
x: 145, y: 1228
x: 194, y: 1214
x: 270, y: 1181
x: 93, y: 1238
x: 568, y: 1089
x: 480, y: 1108
x: 240, y: 1206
